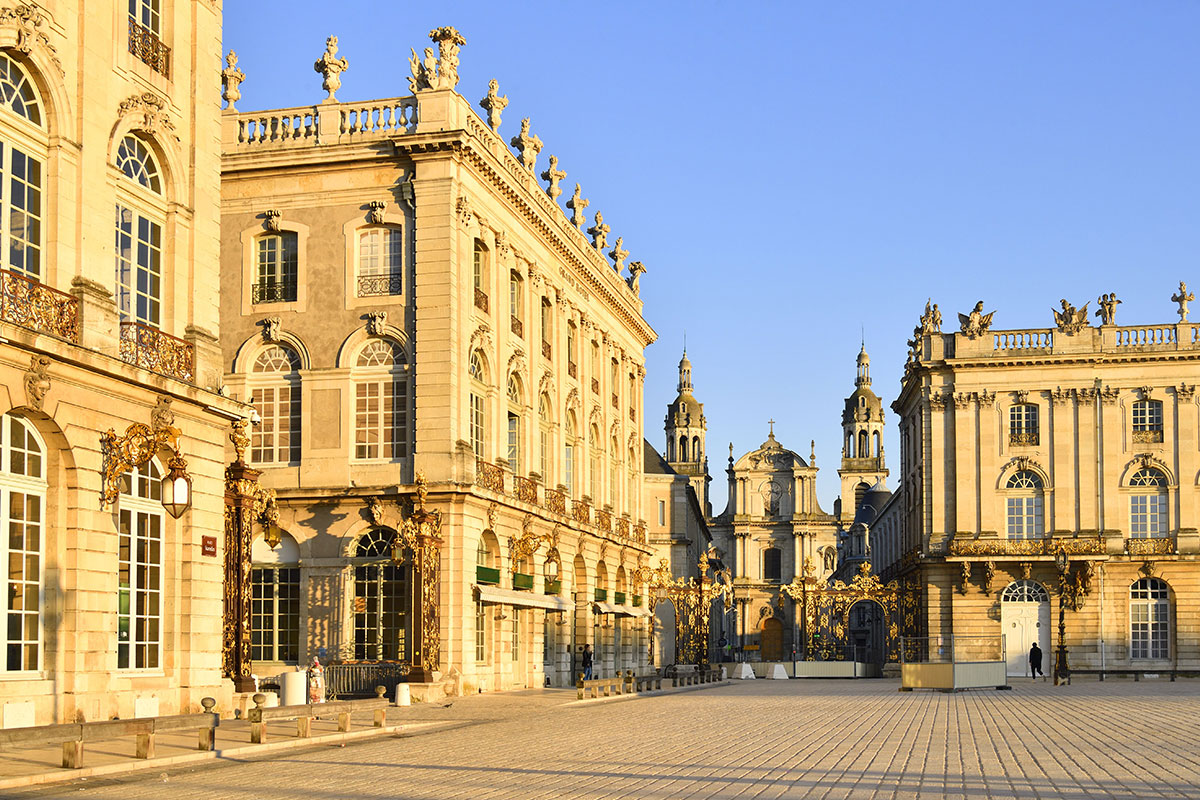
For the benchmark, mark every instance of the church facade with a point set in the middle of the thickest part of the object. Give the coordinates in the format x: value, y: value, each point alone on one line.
x: 1049, y: 486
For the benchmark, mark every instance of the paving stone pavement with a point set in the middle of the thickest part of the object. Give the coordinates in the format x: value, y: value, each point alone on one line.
x: 843, y: 740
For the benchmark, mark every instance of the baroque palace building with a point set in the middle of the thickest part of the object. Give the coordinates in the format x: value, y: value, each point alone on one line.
x: 1049, y: 486
x: 109, y: 363
x: 406, y: 305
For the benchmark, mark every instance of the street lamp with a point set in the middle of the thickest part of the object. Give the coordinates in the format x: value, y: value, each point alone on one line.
x: 177, y: 487
x: 1060, y: 653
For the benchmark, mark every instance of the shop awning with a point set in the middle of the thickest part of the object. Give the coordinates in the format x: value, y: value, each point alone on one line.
x: 619, y: 610
x: 494, y: 595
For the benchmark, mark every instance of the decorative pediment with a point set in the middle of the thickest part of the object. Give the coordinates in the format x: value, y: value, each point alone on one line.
x: 150, y: 112
x: 29, y: 23
x: 481, y: 339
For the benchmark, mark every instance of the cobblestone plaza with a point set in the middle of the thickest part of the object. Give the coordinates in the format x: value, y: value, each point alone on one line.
x: 760, y: 739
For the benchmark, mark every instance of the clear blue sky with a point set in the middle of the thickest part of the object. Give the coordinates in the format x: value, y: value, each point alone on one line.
x: 795, y: 173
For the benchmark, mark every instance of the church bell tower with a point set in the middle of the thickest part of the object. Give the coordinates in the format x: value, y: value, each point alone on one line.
x: 862, y: 441
x: 686, y: 431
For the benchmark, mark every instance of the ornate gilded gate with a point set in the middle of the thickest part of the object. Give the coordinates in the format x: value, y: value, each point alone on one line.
x: 826, y: 616
x: 693, y: 600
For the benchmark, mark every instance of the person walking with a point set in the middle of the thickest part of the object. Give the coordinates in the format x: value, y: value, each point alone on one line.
x: 1035, y: 661
x: 587, y: 662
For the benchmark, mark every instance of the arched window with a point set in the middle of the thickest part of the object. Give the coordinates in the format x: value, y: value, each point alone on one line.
x: 381, y: 596
x: 1024, y: 505
x: 381, y: 401
x: 275, y: 278
x: 876, y: 447
x: 860, y: 491
x: 1148, y: 504
x: 275, y: 395
x: 139, y: 234
x: 477, y: 419
x: 544, y: 437
x: 569, y: 450
x: 696, y: 455
x: 22, y: 519
x: 514, y: 423
x: 683, y: 448
x: 1023, y: 425
x: 380, y: 261
x: 863, y: 450
x: 670, y: 448
x: 139, y: 569
x: 275, y: 601
x: 1025, y: 592
x: 1149, y: 620
x: 1147, y: 421
x: 22, y: 158
x: 480, y: 276
x: 772, y: 569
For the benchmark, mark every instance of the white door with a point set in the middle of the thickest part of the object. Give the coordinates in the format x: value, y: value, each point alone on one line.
x: 1025, y: 619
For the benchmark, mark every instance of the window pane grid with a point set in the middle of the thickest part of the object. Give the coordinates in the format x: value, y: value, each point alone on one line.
x: 139, y: 267
x: 1149, y: 620
x: 22, y: 211
x: 380, y: 612
x: 275, y: 614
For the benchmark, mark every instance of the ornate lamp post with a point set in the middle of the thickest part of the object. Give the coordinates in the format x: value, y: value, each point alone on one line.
x: 421, y: 535
x: 1060, y: 653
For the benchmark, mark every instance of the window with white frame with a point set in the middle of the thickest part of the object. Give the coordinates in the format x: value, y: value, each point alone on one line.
x: 22, y: 518
x: 545, y: 437
x: 662, y: 512
x: 1023, y: 424
x: 514, y: 424
x: 148, y: 14
x: 480, y: 631
x: 614, y: 470
x: 139, y: 238
x: 140, y: 569
x: 381, y: 401
x: 22, y: 156
x: 274, y: 386
x: 1024, y: 505
x: 380, y: 261
x: 515, y: 302
x: 480, y: 276
x: 1149, y: 619
x: 594, y: 465
x: 477, y: 417
x: 569, y: 449
x: 275, y: 613
x: 277, y: 268
x: 381, y: 597
x: 1147, y: 421
x: 1148, y: 504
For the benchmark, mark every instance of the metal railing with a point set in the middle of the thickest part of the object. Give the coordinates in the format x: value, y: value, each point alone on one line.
x: 31, y: 304
x: 377, y: 285
x: 273, y: 292
x: 360, y: 679
x: 145, y: 44
x: 149, y: 348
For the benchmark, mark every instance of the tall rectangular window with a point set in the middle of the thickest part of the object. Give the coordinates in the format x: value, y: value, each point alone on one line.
x: 22, y: 213
x: 1023, y: 425
x: 1148, y: 515
x: 275, y: 614
x: 569, y: 467
x: 379, y: 261
x: 480, y: 631
x: 662, y: 512
x: 381, y: 612
x: 477, y: 424
x: 139, y: 267
x: 380, y: 419
x: 139, y: 589
x: 276, y: 439
x: 1024, y: 517
x: 148, y: 14
x: 514, y: 443
x: 1147, y: 421
x: 278, y: 260
x: 544, y: 452
x: 22, y: 515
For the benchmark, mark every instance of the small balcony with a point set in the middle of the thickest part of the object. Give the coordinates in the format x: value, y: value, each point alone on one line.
x: 481, y: 301
x: 31, y: 304
x: 553, y: 587
x: 149, y: 348
x: 1151, y: 436
x: 526, y: 489
x: 1151, y: 546
x: 595, y: 386
x: 145, y: 44
x: 546, y: 351
x: 1019, y: 437
x: 488, y: 575
x: 556, y: 501
x: 572, y: 370
x: 604, y: 520
x: 378, y: 285
x: 522, y: 582
x: 517, y: 327
x: 489, y: 476
x: 273, y: 292
x: 619, y: 598
x: 600, y: 595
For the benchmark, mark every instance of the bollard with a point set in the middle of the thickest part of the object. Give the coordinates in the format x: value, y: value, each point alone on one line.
x: 579, y: 686
x: 258, y: 727
x: 208, y: 736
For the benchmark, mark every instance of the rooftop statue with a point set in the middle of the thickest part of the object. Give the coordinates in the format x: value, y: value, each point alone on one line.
x: 636, y: 268
x: 231, y: 79
x: 931, y: 320
x: 528, y: 145
x: 493, y: 104
x: 578, y: 205
x: 332, y: 68
x: 1108, y: 309
x: 1070, y: 321
x: 1183, y: 298
x: 440, y: 72
x: 553, y: 175
x: 618, y: 255
x: 976, y: 323
x: 599, y: 232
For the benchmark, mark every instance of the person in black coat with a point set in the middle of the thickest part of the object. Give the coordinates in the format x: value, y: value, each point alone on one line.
x: 1035, y: 661
x: 587, y: 662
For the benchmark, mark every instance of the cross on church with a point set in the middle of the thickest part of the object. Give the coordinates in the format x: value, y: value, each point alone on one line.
x: 771, y: 422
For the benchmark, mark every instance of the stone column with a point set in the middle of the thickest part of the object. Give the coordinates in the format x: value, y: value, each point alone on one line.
x: 1086, y: 446
x: 941, y: 470
x: 966, y: 458
x: 989, y: 452
x: 1062, y: 459
x: 1185, y: 431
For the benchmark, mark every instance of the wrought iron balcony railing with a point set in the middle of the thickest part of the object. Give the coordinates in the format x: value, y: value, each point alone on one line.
x: 526, y: 489
x: 273, y: 292
x: 31, y: 304
x: 1047, y: 546
x: 556, y: 501
x: 572, y: 370
x: 149, y: 348
x: 145, y: 44
x: 378, y: 285
x: 1148, y: 436
x: 1023, y: 438
x: 489, y: 476
x: 546, y: 351
x: 1151, y: 546
x: 481, y: 301
x: 517, y: 326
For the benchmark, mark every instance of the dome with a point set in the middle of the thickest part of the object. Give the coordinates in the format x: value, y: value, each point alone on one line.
x: 862, y: 405
x: 689, y: 407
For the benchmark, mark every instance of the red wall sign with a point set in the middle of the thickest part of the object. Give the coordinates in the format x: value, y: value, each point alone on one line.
x: 208, y: 545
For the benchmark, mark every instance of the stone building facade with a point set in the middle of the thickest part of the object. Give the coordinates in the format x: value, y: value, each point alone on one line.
x: 1050, y: 471
x: 772, y: 532
x: 108, y: 321
x: 402, y: 298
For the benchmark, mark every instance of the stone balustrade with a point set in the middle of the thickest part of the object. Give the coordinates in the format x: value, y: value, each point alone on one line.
x: 327, y: 123
x: 1113, y: 339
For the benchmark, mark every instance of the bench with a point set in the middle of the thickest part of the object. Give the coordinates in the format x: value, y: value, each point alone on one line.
x: 1136, y: 673
x: 260, y: 715
x: 73, y: 735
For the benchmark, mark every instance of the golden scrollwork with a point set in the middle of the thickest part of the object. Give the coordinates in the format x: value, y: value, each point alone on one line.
x: 524, y: 546
x: 489, y: 476
x: 1158, y: 546
x: 1082, y: 545
x: 120, y: 454
x: 149, y: 348
x: 31, y: 304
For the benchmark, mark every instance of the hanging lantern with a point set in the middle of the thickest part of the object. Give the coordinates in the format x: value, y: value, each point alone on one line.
x: 272, y: 533
x: 177, y: 487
